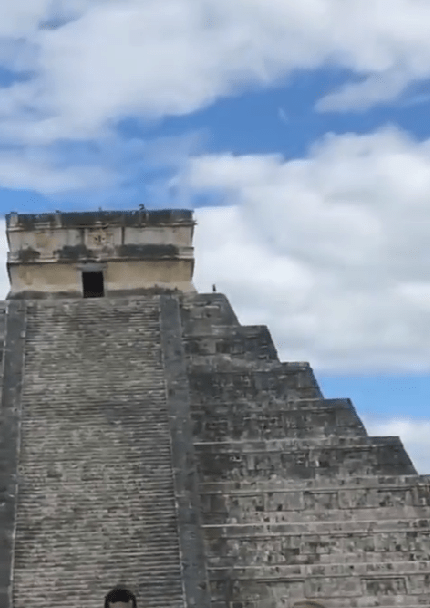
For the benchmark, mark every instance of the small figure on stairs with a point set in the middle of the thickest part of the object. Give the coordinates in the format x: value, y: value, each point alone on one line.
x: 213, y: 287
x: 120, y: 598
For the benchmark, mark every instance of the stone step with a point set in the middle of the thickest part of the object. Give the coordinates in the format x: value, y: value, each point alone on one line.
x: 111, y: 381
x: 416, y: 601
x: 301, y: 418
x: 365, y: 591
x: 288, y: 382
x: 226, y: 550
x: 302, y: 458
x: 109, y: 302
x: 248, y: 343
x: 361, y: 568
x: 273, y: 404
x: 331, y: 516
x: 284, y: 484
x: 289, y: 444
x: 269, y: 524
x: 152, y: 489
x: 227, y: 363
x: 298, y: 501
x: 201, y: 311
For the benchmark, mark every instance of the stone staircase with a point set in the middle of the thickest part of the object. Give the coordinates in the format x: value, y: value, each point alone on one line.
x: 297, y: 500
x: 96, y: 504
x: 100, y: 400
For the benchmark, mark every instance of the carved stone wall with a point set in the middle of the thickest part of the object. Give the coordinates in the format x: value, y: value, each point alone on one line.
x: 154, y: 442
x: 133, y: 250
x: 298, y: 501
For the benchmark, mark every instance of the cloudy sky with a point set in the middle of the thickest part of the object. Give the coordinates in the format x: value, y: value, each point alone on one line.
x: 298, y: 132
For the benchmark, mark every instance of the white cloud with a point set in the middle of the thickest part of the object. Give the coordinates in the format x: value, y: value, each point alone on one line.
x: 20, y: 18
x: 19, y: 170
x: 362, y: 95
x: 282, y: 116
x: 330, y: 251
x: 159, y: 58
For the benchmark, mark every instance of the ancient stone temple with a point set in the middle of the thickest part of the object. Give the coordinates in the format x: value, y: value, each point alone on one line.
x: 150, y: 440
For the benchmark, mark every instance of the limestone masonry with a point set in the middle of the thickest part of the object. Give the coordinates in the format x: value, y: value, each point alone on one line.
x: 150, y: 440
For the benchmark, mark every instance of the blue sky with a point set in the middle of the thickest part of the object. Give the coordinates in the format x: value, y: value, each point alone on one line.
x: 298, y: 133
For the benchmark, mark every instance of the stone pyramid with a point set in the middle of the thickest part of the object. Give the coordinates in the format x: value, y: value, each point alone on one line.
x: 150, y: 440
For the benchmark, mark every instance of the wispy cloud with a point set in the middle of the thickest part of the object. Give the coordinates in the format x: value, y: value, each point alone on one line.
x: 282, y: 116
x: 96, y: 61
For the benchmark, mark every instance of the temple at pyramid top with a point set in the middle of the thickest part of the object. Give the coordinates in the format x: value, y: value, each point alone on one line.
x: 101, y: 253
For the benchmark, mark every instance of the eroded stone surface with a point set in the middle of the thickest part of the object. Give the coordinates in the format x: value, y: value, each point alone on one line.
x: 134, y: 251
x: 288, y: 496
x: 298, y: 501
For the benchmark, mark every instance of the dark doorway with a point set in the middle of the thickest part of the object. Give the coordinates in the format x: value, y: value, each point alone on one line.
x: 93, y: 284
